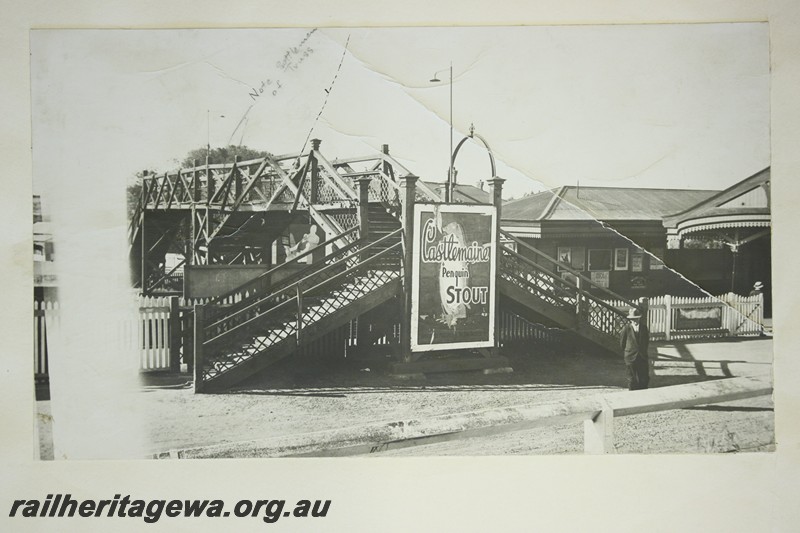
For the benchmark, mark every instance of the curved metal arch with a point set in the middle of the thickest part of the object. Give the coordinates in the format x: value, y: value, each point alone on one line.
x: 471, y: 135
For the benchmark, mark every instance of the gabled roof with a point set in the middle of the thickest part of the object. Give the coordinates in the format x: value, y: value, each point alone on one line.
x: 603, y: 203
x: 464, y: 194
x: 750, y: 196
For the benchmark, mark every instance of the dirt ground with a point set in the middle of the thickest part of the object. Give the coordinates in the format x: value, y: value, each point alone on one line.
x: 299, y: 396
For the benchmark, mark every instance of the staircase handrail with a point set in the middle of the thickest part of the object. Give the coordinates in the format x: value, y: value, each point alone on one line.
x: 562, y: 282
x: 578, y: 290
x: 352, y: 269
x: 216, y: 300
x: 614, y: 296
x: 219, y: 319
x: 228, y: 313
x: 297, y: 291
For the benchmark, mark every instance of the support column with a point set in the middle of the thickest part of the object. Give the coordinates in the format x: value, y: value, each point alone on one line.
x: 408, y: 185
x: 237, y: 179
x: 363, y: 206
x: 386, y: 167
x: 195, y: 182
x: 143, y: 259
x: 210, y: 185
x: 496, y: 183
x: 314, y: 172
x: 388, y: 170
x: 199, y: 338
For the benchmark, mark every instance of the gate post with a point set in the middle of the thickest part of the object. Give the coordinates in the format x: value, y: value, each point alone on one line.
x: 496, y: 184
x: 174, y: 335
x: 409, y: 185
x: 598, y: 433
x: 644, y: 307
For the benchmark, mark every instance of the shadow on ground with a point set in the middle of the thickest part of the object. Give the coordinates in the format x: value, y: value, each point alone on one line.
x: 539, y: 366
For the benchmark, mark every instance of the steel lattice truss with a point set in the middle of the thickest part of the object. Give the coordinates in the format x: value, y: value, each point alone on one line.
x: 229, y: 213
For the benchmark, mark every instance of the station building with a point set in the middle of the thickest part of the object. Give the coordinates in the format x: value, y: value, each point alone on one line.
x: 624, y: 237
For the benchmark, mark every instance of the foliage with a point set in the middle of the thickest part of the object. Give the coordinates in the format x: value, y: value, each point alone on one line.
x: 133, y: 193
x: 222, y: 154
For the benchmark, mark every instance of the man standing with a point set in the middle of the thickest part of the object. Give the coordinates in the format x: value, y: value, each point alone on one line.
x: 634, y: 340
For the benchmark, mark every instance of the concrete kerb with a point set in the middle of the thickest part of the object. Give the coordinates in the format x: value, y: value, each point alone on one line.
x: 381, y: 436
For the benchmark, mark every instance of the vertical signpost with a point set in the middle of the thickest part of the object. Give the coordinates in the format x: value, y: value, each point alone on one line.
x: 453, y: 282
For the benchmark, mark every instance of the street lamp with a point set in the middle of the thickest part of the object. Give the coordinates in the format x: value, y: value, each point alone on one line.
x: 208, y: 131
x: 450, y: 178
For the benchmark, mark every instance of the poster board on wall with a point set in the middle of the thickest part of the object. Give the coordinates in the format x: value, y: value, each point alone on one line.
x: 454, y: 277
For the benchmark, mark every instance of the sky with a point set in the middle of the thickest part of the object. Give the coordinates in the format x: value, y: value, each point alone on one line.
x: 683, y: 106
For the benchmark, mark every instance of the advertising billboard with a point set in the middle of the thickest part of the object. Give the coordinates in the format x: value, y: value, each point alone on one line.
x: 453, y: 283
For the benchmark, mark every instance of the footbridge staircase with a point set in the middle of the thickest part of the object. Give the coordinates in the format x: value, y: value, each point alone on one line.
x: 362, y: 278
x: 269, y: 321
x: 530, y: 285
x: 295, y: 303
x: 229, y: 214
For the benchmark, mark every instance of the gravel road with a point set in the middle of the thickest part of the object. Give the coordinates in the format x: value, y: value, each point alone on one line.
x: 302, y: 396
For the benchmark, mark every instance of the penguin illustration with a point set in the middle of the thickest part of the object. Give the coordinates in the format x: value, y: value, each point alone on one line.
x: 451, y: 312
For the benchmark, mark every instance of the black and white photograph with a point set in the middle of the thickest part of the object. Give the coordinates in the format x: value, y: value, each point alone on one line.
x: 262, y: 301
x: 435, y: 267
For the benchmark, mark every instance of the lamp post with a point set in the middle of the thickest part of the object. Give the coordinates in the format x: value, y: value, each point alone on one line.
x: 208, y: 131
x: 448, y: 196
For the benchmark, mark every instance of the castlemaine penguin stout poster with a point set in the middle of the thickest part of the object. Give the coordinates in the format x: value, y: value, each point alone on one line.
x: 453, y: 283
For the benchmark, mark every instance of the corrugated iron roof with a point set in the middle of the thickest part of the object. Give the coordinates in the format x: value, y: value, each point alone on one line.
x: 604, y: 203
x: 530, y: 207
x: 467, y: 194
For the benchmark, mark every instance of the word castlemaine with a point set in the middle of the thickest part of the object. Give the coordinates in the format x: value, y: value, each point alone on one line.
x: 448, y: 249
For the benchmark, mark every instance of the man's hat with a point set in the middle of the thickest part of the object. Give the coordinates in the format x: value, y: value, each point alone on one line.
x: 758, y: 286
x: 634, y: 313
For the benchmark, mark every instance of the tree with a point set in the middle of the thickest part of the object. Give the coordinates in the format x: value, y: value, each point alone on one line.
x: 134, y: 193
x: 223, y: 154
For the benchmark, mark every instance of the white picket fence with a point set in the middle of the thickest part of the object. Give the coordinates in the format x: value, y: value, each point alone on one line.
x: 670, y: 318
x: 157, y: 316
x: 150, y: 334
x: 153, y: 334
x: 729, y: 315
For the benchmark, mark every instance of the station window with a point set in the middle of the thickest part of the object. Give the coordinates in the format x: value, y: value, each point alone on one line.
x: 599, y: 260
x: 574, y: 256
x: 620, y: 259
